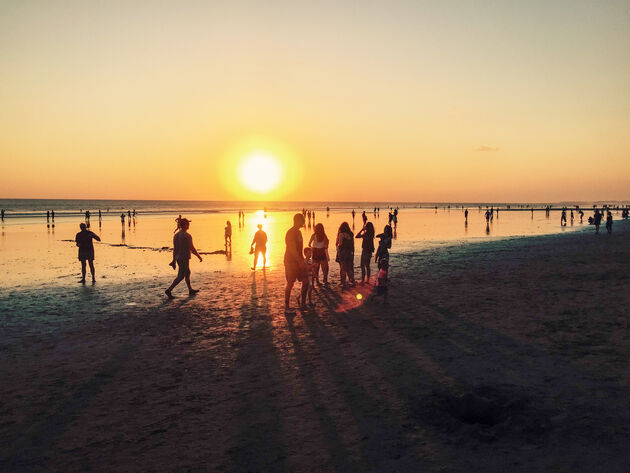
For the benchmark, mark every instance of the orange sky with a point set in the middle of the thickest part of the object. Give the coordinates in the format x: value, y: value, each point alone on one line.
x: 407, y: 101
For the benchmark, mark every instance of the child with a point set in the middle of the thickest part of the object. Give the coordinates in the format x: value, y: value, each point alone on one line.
x: 382, y: 280
x: 310, y: 268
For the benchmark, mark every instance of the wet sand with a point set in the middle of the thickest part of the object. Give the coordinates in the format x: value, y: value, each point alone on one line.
x: 507, y: 355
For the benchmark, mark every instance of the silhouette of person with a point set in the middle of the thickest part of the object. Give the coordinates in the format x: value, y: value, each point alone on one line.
x: 83, y: 240
x: 294, y: 266
x: 129, y: 214
x: 345, y: 254
x: 563, y: 217
x: 353, y: 214
x: 319, y: 242
x: 466, y: 215
x: 182, y: 249
x: 384, y: 244
x: 609, y: 221
x: 364, y: 217
x: 52, y: 214
x: 367, y: 248
x: 47, y: 216
x: 228, y: 234
x: 122, y: 218
x: 99, y: 215
x: 259, y: 246
x: 597, y: 220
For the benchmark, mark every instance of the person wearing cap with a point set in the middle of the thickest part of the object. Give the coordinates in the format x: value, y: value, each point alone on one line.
x: 294, y: 266
x: 86, y: 250
x: 182, y: 249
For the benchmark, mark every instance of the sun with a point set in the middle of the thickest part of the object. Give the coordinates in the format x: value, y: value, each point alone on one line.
x: 260, y: 172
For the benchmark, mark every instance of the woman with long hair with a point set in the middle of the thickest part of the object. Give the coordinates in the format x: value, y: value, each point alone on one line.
x: 319, y: 244
x: 345, y: 253
x: 384, y: 244
x: 367, y: 248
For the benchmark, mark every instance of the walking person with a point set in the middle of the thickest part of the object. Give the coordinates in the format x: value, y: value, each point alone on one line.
x: 83, y: 239
x: 259, y: 246
x: 367, y: 248
x: 319, y: 242
x: 182, y: 249
x: 294, y: 266
x: 345, y: 254
x: 228, y: 234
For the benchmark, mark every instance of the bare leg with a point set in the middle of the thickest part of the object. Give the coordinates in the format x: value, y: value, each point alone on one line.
x: 91, y: 271
x: 255, y: 260
x: 287, y: 294
x: 304, y: 292
x: 325, y: 271
x: 176, y: 281
x: 264, y: 259
x: 83, y: 271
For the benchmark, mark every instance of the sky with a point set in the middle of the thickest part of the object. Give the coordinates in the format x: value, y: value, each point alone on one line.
x: 372, y: 100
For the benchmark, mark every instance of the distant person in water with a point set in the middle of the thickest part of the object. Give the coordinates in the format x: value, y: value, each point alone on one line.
x: 466, y: 215
x: 319, y: 242
x: 367, y: 249
x: 182, y: 249
x: 228, y: 233
x: 86, y: 250
x: 100, y: 216
x: 2, y: 214
x: 259, y: 246
x: 353, y: 214
x: 47, y: 216
x: 295, y: 268
x: 609, y: 222
x: 384, y: 244
x: 345, y: 254
x: 581, y: 216
x: 122, y: 218
x: 563, y: 217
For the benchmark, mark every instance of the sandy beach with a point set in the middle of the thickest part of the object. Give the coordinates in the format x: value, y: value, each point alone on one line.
x: 506, y: 355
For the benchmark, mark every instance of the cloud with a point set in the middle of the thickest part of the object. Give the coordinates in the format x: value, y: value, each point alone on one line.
x: 484, y: 148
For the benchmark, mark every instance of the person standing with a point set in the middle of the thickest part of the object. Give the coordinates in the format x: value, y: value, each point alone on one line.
x: 466, y: 215
x: 609, y: 221
x: 319, y: 242
x: 182, y: 249
x: 345, y: 254
x: 294, y: 265
x: 367, y: 248
x: 83, y: 240
x: 259, y: 246
x: 597, y: 220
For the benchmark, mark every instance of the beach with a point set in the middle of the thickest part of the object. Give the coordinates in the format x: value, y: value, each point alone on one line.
x: 502, y: 355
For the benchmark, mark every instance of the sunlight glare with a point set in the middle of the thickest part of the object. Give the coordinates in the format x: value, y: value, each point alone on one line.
x: 260, y: 173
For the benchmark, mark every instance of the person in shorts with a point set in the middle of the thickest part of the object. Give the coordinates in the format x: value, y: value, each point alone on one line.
x: 319, y: 243
x: 182, y: 249
x: 259, y: 246
x: 294, y: 266
x: 86, y: 250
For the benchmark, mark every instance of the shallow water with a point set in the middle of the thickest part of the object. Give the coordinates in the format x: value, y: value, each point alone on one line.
x: 34, y: 254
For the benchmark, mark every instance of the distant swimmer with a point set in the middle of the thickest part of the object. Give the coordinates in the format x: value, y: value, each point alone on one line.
x: 86, y: 250
x: 182, y: 249
x: 259, y: 246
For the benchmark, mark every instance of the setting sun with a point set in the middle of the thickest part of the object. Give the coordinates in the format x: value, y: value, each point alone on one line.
x: 260, y: 173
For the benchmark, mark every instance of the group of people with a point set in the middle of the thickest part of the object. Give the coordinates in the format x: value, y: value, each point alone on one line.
x: 301, y: 263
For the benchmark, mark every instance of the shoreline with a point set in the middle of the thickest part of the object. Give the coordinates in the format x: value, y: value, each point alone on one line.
x: 505, y: 355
